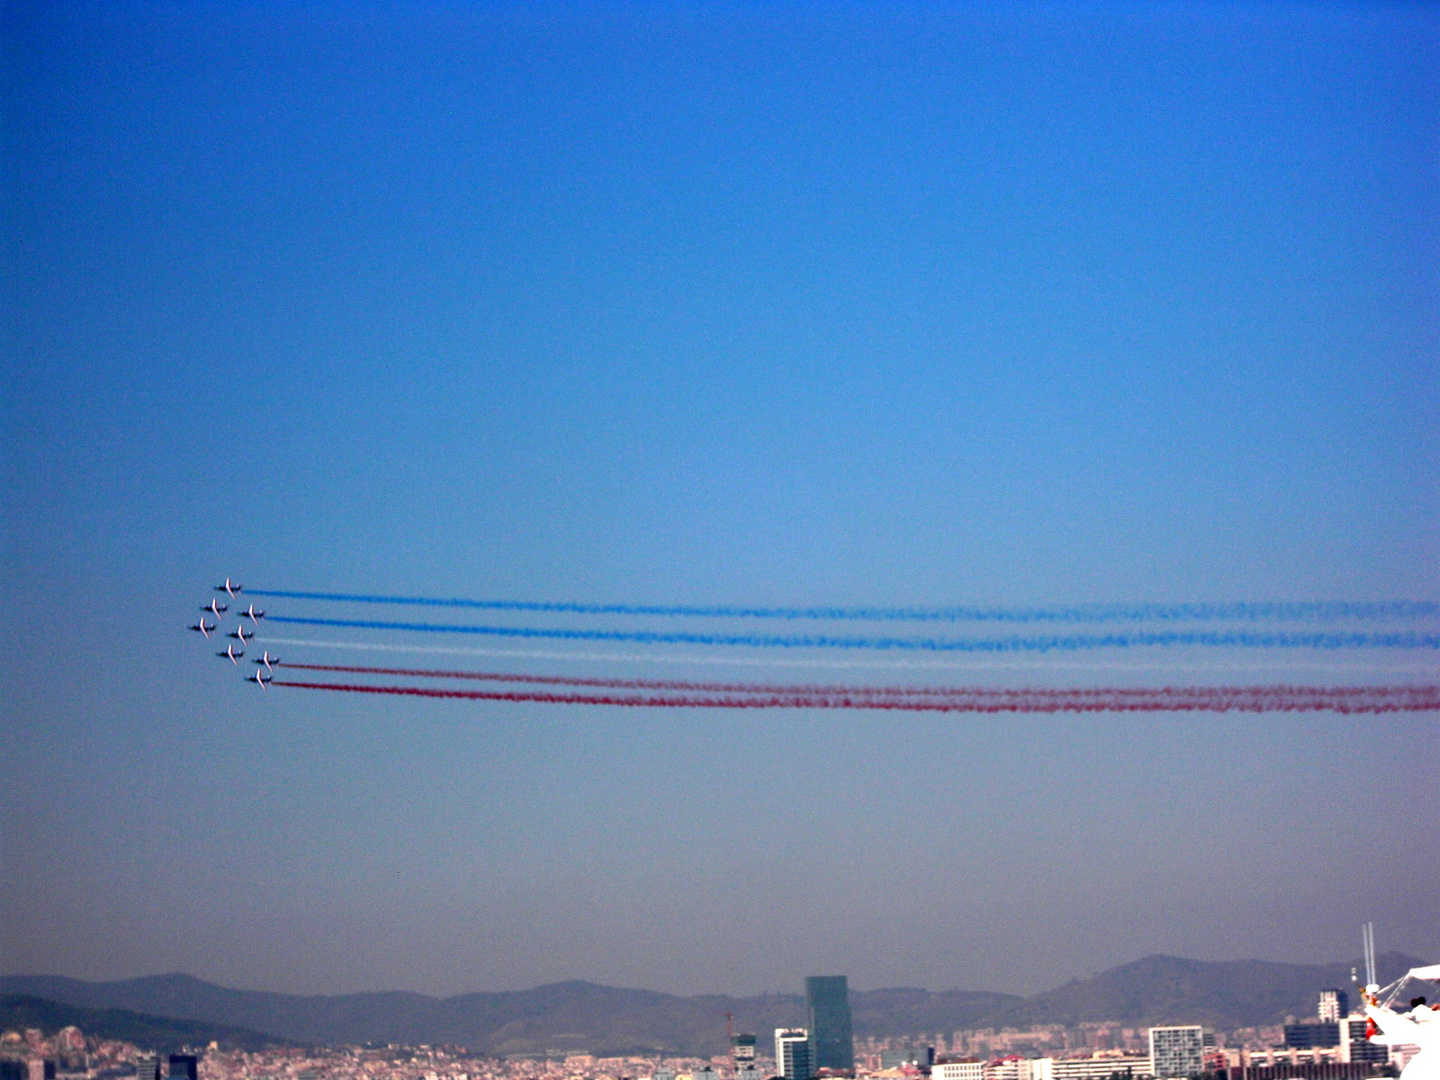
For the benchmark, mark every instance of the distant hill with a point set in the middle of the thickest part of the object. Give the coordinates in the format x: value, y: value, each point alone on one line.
x: 161, y: 1033
x: 1170, y: 989
x: 575, y: 1016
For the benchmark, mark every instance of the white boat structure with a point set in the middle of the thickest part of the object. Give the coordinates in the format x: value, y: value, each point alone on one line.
x: 1401, y: 1021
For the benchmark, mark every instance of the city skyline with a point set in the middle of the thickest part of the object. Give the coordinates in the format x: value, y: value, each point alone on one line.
x: 1318, y: 1049
x: 1216, y: 991
x: 1098, y: 1052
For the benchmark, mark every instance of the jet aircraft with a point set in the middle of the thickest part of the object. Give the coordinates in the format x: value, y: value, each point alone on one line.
x: 230, y: 589
x: 251, y: 614
x: 230, y: 652
x: 261, y: 679
x: 267, y: 660
x: 216, y: 608
x: 203, y: 627
x: 241, y: 634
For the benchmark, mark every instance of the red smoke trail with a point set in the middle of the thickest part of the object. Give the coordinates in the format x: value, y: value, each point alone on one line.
x: 1350, y: 700
x: 779, y: 690
x: 635, y: 684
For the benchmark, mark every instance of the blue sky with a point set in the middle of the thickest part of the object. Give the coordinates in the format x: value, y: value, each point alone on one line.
x: 901, y: 304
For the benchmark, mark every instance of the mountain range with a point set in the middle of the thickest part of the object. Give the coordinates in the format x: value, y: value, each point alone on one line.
x: 582, y: 1016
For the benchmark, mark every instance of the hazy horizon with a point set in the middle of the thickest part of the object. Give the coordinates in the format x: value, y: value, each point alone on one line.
x: 797, y: 991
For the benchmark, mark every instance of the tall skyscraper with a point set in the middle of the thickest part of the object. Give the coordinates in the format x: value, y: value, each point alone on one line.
x: 832, y: 1043
x: 184, y: 1067
x: 792, y: 1053
x: 147, y: 1067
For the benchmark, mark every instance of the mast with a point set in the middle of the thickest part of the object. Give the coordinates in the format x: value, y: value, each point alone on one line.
x: 1367, y: 936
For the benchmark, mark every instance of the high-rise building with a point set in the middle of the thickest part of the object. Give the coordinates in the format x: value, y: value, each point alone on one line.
x: 147, y: 1067
x: 742, y: 1047
x: 1334, y: 1006
x: 792, y: 1053
x: 832, y: 1044
x: 184, y: 1067
x: 1177, y: 1052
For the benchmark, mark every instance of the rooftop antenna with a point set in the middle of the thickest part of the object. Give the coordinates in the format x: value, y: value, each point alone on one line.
x: 1367, y: 933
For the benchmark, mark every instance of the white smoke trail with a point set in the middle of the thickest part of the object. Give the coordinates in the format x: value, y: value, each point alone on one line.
x: 1036, y: 663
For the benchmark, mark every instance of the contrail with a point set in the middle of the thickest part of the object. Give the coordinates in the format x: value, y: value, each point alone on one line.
x: 1300, y: 611
x: 971, y: 663
x: 1048, y: 643
x: 1253, y: 699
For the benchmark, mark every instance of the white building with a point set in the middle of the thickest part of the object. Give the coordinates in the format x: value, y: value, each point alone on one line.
x: 792, y: 1053
x: 1177, y: 1052
x: 1091, y: 1068
x: 973, y: 1069
x: 1334, y: 1006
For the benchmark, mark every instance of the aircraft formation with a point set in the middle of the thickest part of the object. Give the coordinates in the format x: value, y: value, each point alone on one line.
x: 839, y: 639
x: 242, y: 633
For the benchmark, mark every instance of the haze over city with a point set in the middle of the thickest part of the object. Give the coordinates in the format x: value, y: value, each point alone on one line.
x: 628, y: 309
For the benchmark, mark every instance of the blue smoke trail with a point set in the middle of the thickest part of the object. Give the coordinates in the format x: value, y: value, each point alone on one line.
x: 1049, y: 643
x: 1323, y: 611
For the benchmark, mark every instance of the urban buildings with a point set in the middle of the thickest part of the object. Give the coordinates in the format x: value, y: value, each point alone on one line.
x: 1177, y: 1052
x: 1337, y: 1029
x: 1355, y: 1046
x: 832, y: 1043
x: 1087, y: 1051
x: 792, y: 1053
x: 921, y: 1057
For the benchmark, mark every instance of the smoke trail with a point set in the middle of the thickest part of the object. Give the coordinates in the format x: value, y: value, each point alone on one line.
x: 1321, y: 611
x: 1049, y: 643
x: 771, y: 689
x: 1254, y: 699
x: 639, y: 684
x: 969, y: 663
